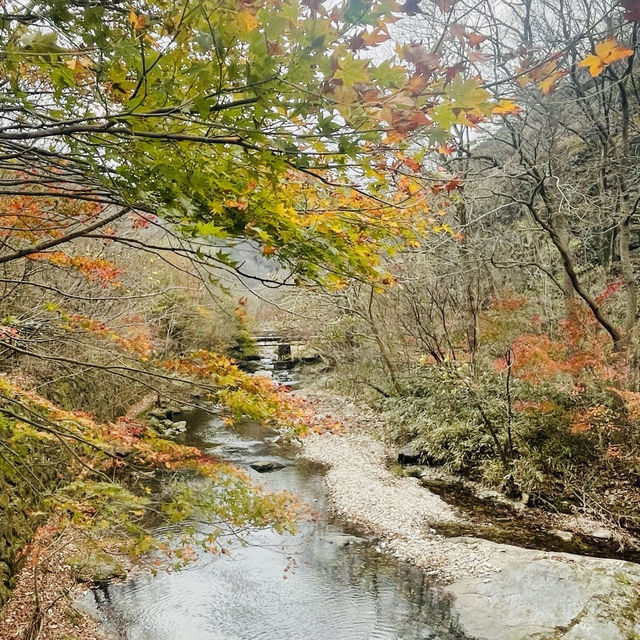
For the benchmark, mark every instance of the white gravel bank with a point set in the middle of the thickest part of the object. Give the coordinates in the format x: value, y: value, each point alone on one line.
x: 498, y: 592
x: 396, y: 509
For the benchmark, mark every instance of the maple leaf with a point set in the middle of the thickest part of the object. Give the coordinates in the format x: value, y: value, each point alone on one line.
x: 377, y: 36
x: 424, y: 61
x: 457, y: 32
x: 357, y: 42
x: 453, y: 184
x: 467, y: 94
x: 542, y: 70
x: 352, y: 71
x: 475, y: 39
x: 247, y: 21
x: 549, y: 84
x: 137, y: 21
x: 79, y: 64
x: 411, y: 7
x: 606, y: 52
x: 445, y: 5
x: 416, y: 85
x: 405, y: 120
x: 412, y: 164
x: 450, y: 73
x: 477, y: 56
x: 506, y: 108
x: 446, y: 149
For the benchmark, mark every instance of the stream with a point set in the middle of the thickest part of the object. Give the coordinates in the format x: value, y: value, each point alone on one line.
x: 319, y: 584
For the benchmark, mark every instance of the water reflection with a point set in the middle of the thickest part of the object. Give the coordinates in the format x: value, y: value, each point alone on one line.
x: 296, y: 587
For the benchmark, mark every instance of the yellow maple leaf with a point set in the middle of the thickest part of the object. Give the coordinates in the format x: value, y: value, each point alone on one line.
x: 247, y: 21
x: 506, y: 108
x: 606, y: 52
x: 74, y: 64
x: 137, y: 21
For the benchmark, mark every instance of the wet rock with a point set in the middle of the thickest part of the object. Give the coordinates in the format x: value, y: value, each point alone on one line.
x: 179, y: 427
x: 88, y: 569
x: 413, y: 472
x: 264, y: 466
x: 340, y: 539
x: 567, y: 536
x: 541, y: 597
x: 158, y: 413
x: 172, y: 411
x: 409, y: 454
x: 511, y: 488
x: 249, y: 366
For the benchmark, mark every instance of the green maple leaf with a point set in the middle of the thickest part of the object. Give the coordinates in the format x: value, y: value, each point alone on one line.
x: 467, y: 94
x: 353, y: 71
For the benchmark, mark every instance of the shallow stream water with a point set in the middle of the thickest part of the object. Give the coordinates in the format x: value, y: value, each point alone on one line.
x: 307, y: 586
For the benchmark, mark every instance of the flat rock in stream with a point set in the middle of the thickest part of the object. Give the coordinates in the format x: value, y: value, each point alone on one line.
x: 340, y: 539
x: 542, y: 596
x: 264, y: 466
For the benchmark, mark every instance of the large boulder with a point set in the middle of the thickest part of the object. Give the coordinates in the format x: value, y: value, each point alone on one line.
x: 542, y: 597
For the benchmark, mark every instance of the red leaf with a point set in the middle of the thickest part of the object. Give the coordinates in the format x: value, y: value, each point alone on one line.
x: 475, y: 39
x: 452, y: 185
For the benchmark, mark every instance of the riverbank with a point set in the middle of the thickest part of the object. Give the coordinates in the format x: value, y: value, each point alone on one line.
x: 42, y: 605
x: 498, y: 591
x: 55, y: 572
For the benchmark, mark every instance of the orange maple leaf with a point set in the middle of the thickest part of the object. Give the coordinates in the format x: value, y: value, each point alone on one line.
x: 506, y: 108
x: 606, y: 52
x: 446, y: 149
x: 475, y: 39
x: 549, y: 84
x: 377, y: 36
x: 137, y: 21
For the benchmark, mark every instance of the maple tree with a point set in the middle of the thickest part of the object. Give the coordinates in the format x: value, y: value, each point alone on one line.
x: 170, y: 131
x: 205, y: 115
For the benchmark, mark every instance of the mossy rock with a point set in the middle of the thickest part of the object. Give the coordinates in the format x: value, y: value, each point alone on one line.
x: 96, y: 568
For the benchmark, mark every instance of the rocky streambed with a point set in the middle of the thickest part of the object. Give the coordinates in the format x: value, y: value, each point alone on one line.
x: 373, y: 564
x: 495, y: 591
